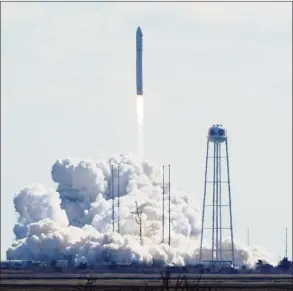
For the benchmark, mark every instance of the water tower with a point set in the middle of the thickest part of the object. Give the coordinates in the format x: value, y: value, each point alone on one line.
x: 218, y: 192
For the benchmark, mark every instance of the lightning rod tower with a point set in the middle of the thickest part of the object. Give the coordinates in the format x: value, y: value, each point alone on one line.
x: 286, y: 243
x: 113, y: 195
x: 118, y: 194
x: 248, y: 237
x: 163, y: 210
x: 217, y: 138
x: 169, y: 190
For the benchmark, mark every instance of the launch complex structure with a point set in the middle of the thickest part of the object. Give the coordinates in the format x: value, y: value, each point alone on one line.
x: 166, y: 191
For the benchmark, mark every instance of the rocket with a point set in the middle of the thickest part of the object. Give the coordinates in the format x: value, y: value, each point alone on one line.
x: 139, y: 93
x: 139, y: 85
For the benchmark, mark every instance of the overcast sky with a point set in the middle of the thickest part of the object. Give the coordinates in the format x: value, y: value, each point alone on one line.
x: 68, y: 89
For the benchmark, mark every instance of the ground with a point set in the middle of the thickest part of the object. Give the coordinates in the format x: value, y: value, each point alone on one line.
x: 17, y: 281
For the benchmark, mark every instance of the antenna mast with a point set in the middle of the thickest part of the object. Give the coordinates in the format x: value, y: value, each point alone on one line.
x: 286, y: 243
x: 163, y: 214
x: 169, y: 207
x: 248, y: 241
x: 112, y: 176
x: 137, y: 215
x: 118, y: 194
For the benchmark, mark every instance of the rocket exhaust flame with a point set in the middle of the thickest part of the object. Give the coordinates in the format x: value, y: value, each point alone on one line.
x: 140, y: 110
x: 140, y: 124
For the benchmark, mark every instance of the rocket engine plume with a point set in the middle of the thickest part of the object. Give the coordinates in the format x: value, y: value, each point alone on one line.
x: 140, y: 124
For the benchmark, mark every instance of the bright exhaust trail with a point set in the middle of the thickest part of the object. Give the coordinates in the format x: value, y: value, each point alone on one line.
x: 140, y: 124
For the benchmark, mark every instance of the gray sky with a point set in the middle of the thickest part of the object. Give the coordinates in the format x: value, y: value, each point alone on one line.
x: 68, y: 89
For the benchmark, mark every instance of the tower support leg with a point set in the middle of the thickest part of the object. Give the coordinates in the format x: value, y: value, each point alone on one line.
x: 230, y: 203
x: 204, y: 202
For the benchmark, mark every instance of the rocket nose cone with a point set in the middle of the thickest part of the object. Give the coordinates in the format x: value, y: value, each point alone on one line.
x: 138, y: 31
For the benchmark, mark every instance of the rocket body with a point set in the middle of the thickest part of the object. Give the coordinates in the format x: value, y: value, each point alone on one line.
x: 139, y: 83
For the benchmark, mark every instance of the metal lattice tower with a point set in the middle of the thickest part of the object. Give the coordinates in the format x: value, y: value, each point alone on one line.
x: 217, y: 138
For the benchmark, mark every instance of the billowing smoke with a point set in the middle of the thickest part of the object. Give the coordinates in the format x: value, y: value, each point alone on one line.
x: 75, y: 222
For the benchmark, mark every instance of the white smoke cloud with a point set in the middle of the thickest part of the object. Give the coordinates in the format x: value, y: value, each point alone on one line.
x: 76, y: 221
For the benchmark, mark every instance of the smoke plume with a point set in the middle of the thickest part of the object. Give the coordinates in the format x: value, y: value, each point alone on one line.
x: 75, y: 221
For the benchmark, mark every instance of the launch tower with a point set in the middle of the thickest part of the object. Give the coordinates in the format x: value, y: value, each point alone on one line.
x: 217, y: 198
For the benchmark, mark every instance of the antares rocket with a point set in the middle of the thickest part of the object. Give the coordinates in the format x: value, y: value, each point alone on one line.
x: 139, y: 84
x: 139, y: 93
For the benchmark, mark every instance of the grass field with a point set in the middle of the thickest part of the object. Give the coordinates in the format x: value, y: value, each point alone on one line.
x: 207, y: 282
x: 69, y: 276
x: 150, y: 287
